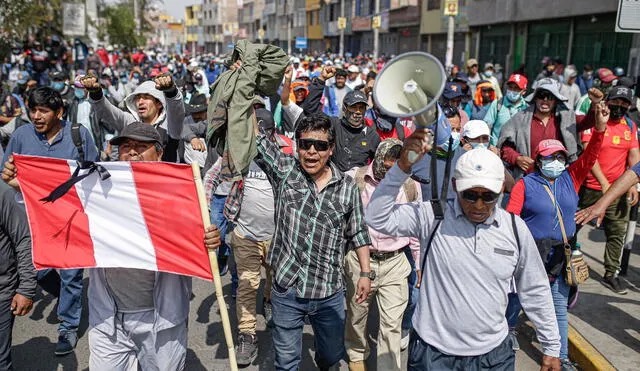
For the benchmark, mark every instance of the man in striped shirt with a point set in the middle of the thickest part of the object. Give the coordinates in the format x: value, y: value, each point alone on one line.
x: 319, y: 218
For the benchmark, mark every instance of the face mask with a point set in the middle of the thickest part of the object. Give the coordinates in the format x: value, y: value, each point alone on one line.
x: 513, y: 96
x: 123, y: 79
x: 552, y: 169
x: 617, y: 112
x: 488, y: 73
x: 57, y: 86
x: 479, y: 145
x: 587, y: 75
x: 91, y: 53
x: 454, y: 144
x: 354, y: 118
x: 79, y: 93
x: 136, y: 76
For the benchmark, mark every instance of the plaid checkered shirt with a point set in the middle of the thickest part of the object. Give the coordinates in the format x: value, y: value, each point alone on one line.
x: 314, y: 229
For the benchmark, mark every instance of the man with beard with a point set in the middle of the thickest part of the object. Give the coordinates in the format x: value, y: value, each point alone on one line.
x: 334, y: 94
x: 50, y: 136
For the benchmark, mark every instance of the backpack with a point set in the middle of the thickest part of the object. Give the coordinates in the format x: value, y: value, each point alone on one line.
x: 77, y: 139
x: 410, y: 188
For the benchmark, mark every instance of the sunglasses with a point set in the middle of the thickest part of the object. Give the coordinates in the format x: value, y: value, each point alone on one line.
x: 487, y: 197
x: 486, y: 90
x: 319, y: 145
x: 449, y: 111
x: 545, y: 96
x: 558, y: 156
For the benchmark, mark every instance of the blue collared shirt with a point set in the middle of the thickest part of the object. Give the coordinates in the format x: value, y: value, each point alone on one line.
x: 25, y: 140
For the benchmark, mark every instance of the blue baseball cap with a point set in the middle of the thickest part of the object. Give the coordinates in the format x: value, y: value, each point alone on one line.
x: 452, y: 91
x: 462, y: 77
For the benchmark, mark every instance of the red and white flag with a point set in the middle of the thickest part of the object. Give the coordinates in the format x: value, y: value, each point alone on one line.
x: 146, y: 215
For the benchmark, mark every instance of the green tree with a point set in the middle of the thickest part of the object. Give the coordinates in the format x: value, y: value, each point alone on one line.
x: 121, y: 26
x: 18, y: 18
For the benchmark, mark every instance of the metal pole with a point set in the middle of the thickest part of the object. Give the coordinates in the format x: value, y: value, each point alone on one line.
x: 136, y: 16
x: 376, y: 32
x: 450, y: 33
x: 342, y: 29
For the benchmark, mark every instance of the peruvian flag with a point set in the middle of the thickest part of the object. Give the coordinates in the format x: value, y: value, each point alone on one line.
x: 145, y: 215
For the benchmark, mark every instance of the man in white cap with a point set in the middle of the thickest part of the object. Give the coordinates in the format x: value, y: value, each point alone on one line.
x: 468, y: 261
x: 353, y: 79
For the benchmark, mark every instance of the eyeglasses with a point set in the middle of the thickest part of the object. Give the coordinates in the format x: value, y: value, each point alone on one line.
x: 545, y: 95
x: 487, y: 197
x: 486, y: 90
x: 319, y: 145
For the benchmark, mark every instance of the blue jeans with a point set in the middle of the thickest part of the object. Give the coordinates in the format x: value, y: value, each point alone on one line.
x: 560, y: 296
x: 70, y: 299
x: 219, y: 220
x: 327, y: 318
x: 413, y: 293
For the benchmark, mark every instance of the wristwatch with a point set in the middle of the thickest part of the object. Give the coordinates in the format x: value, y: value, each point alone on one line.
x: 370, y: 275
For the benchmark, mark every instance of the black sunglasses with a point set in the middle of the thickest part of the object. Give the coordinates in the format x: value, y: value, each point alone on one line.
x: 486, y: 90
x: 545, y: 95
x: 319, y: 145
x: 487, y: 197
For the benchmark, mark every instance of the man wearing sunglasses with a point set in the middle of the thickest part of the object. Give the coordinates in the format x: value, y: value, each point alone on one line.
x: 546, y: 118
x: 469, y: 260
x: 319, y: 218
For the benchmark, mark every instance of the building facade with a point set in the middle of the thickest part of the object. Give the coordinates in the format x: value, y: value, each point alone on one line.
x: 194, y: 30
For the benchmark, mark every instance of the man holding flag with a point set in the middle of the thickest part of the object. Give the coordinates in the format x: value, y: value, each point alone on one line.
x: 137, y: 317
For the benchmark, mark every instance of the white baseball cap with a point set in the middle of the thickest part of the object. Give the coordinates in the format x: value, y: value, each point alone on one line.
x: 474, y: 129
x: 353, y: 68
x: 479, y: 168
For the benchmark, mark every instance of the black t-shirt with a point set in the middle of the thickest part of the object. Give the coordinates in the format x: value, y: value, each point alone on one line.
x: 355, y: 147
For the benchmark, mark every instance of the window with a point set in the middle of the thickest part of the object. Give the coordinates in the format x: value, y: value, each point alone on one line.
x: 358, y: 5
x: 433, y: 4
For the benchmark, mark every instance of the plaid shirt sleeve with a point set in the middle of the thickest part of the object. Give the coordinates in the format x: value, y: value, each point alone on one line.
x: 357, y: 231
x: 272, y: 161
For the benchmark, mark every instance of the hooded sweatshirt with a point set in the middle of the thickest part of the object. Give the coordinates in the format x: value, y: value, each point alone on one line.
x: 476, y: 109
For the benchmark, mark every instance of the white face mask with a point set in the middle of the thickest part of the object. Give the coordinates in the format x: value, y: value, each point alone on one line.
x: 488, y: 73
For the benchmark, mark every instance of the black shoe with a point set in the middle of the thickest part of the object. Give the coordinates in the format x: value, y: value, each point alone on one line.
x: 247, y: 349
x: 614, y: 284
x: 67, y: 341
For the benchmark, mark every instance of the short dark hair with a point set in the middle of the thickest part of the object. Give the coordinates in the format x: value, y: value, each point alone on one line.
x: 45, y: 97
x: 316, y: 122
x: 372, y: 75
x: 341, y: 73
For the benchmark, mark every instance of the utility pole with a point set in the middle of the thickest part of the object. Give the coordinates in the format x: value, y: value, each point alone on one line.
x: 376, y: 30
x: 342, y: 29
x: 136, y: 16
x: 289, y: 25
x: 450, y: 9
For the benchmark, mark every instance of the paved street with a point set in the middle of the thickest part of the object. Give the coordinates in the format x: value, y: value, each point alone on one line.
x: 35, y: 337
x: 609, y: 322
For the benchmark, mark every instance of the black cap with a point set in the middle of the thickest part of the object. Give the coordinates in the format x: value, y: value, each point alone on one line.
x: 621, y: 92
x: 197, y: 103
x: 265, y: 119
x: 137, y: 131
x: 354, y: 97
x: 452, y: 91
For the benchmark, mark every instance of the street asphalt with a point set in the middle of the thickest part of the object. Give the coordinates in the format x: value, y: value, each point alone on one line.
x: 609, y: 321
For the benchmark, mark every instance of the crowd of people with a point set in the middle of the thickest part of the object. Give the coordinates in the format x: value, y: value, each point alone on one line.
x: 330, y: 202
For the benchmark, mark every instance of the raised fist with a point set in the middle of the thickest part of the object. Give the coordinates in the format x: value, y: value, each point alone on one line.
x: 595, y: 95
x: 91, y: 83
x: 163, y: 82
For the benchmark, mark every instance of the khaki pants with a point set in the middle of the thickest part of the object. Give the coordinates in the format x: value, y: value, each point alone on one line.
x: 249, y: 257
x: 391, y: 291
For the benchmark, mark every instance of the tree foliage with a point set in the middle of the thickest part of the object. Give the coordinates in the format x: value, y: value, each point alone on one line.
x: 18, y: 18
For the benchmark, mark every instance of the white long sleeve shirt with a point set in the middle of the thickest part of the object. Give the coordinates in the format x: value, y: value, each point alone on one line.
x: 463, y: 295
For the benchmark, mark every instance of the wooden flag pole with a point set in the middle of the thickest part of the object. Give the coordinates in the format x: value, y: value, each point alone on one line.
x: 213, y: 260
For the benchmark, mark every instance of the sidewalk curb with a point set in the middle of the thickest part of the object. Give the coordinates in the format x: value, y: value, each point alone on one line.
x: 585, y: 354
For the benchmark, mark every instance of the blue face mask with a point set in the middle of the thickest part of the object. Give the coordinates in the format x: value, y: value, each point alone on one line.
x: 479, y: 145
x: 488, y: 73
x: 136, y: 76
x: 454, y: 145
x: 79, y: 93
x: 552, y: 168
x: 513, y: 96
x: 57, y: 86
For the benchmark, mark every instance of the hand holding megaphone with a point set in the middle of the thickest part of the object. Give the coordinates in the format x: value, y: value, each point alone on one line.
x: 414, y: 148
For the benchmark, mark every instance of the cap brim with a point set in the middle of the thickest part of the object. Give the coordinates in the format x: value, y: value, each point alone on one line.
x: 118, y: 140
x: 550, y: 151
x: 492, y: 184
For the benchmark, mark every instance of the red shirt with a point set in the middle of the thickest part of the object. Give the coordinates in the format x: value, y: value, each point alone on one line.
x: 619, y: 139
